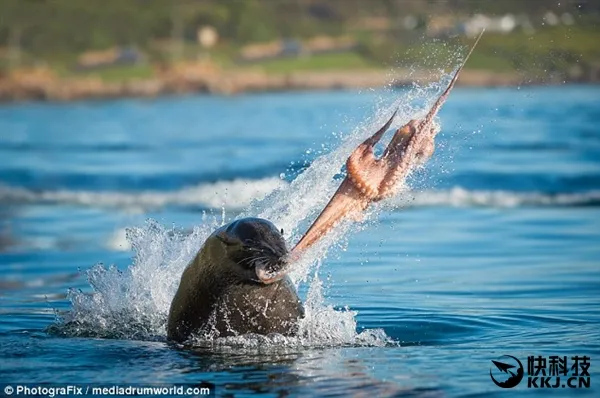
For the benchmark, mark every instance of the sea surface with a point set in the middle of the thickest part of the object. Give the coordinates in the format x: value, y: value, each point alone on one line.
x: 492, y: 249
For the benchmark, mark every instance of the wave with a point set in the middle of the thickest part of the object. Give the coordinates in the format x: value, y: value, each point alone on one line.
x: 130, y: 181
x: 460, y: 197
x: 235, y: 194
x: 238, y: 194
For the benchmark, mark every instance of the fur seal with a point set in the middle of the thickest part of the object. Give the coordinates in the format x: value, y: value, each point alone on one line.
x: 236, y: 284
x: 230, y: 289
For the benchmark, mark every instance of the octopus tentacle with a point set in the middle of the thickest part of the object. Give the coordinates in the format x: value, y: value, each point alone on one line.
x: 353, y: 195
x: 370, y: 179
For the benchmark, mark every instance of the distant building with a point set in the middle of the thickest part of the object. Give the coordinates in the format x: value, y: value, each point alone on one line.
x: 207, y: 36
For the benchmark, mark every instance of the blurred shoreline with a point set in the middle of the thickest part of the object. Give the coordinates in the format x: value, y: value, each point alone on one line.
x: 39, y: 85
x: 73, y: 50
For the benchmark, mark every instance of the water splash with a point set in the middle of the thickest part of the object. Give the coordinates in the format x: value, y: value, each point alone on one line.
x: 237, y: 195
x: 134, y: 303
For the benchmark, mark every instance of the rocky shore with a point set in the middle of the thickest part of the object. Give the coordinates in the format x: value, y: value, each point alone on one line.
x: 42, y: 85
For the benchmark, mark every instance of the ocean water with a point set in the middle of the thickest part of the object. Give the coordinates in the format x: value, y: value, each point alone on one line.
x: 493, y: 248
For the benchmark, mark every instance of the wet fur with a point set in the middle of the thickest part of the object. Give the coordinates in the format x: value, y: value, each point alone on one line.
x: 219, y: 294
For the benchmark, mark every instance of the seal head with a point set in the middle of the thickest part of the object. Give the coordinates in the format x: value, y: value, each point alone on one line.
x: 236, y: 285
x: 257, y: 249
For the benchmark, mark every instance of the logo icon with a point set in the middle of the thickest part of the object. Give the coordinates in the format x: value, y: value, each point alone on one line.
x: 508, y: 371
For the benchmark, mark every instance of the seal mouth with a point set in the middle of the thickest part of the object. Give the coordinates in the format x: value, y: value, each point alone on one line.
x: 268, y: 273
x: 267, y: 277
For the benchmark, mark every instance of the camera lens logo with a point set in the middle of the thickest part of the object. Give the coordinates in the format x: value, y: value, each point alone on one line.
x: 507, y: 371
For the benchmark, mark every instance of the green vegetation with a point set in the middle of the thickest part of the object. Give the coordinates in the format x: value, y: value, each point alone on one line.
x: 121, y: 73
x: 552, y: 49
x: 55, y: 33
x: 340, y: 61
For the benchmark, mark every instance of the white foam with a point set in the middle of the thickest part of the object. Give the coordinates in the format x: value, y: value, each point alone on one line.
x: 235, y: 195
x: 460, y: 197
x: 133, y: 303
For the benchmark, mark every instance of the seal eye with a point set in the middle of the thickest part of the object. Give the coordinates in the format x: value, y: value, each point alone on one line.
x: 281, y: 231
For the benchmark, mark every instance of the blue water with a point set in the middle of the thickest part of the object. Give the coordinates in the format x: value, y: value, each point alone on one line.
x: 495, y: 249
